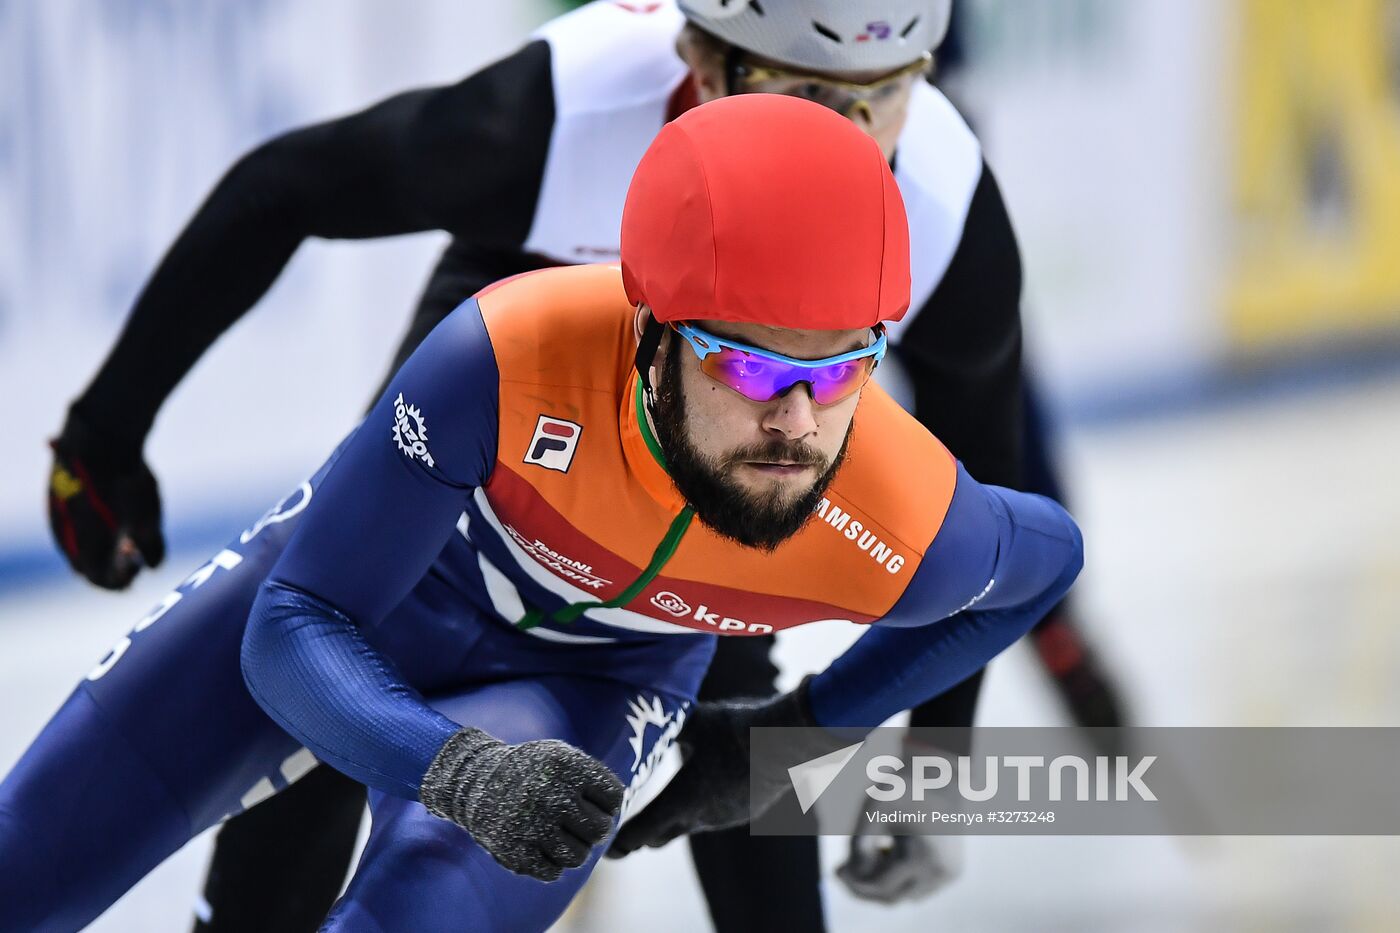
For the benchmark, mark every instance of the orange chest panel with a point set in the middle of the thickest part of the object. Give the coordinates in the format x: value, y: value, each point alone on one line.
x: 577, y: 492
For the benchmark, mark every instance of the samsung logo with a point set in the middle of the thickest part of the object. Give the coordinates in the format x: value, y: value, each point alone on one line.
x: 863, y: 538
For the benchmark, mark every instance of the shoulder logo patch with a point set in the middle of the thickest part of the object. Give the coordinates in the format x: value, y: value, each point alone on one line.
x: 411, y: 431
x: 553, y: 443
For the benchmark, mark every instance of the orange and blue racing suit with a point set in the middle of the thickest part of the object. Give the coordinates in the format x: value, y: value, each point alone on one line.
x: 498, y: 544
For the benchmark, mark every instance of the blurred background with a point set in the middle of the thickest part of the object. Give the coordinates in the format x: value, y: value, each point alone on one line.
x: 1207, y: 194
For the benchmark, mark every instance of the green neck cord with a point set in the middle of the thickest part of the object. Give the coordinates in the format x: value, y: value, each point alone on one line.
x: 663, y: 553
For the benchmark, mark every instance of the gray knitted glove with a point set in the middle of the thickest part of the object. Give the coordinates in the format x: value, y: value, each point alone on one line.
x: 538, y: 807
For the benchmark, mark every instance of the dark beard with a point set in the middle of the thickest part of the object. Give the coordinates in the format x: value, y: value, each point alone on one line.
x: 762, y: 522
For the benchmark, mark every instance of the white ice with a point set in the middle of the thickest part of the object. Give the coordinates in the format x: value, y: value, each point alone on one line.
x: 1243, y: 569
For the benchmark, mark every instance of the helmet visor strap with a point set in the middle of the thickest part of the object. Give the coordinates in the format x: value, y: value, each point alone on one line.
x: 646, y: 353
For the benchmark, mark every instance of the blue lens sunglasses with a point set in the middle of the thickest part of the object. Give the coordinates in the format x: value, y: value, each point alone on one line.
x: 762, y: 375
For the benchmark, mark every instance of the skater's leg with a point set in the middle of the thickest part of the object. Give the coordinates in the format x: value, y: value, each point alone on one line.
x: 157, y: 743
x: 425, y: 874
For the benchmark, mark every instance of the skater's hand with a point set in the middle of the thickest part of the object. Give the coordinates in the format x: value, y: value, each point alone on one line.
x: 538, y: 808
x: 1082, y: 680
x: 888, y: 867
x: 104, y: 506
x: 714, y: 788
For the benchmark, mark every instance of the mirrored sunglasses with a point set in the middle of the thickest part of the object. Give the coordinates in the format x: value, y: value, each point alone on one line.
x: 874, y: 100
x: 762, y: 375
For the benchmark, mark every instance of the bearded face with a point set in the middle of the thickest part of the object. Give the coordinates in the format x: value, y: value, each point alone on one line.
x: 750, y: 512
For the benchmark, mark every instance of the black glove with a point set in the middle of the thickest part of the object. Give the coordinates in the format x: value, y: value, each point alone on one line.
x: 1089, y: 693
x: 539, y: 807
x: 104, y: 505
x: 713, y: 789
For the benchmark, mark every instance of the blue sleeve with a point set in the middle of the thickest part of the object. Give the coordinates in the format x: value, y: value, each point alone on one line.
x: 381, y: 514
x: 1001, y: 560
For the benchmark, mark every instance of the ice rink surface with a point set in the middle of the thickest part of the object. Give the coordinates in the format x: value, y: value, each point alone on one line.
x: 1243, y: 569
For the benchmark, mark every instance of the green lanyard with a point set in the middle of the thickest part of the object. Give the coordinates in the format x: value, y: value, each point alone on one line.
x: 663, y: 553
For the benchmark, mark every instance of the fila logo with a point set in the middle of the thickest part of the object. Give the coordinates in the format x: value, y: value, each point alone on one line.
x: 554, y: 443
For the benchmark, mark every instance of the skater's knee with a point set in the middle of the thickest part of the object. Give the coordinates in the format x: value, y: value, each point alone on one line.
x: 425, y: 844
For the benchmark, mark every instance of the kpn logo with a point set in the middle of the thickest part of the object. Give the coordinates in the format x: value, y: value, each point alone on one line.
x: 670, y: 602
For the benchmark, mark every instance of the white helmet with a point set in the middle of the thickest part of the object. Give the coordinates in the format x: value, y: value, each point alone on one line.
x: 827, y: 35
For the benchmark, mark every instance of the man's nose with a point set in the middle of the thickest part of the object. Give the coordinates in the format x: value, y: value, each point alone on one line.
x: 792, y: 414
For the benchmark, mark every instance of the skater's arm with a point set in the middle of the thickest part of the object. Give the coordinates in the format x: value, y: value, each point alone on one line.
x: 961, y: 350
x: 379, y: 517
x: 999, y: 562
x: 439, y: 158
x: 1027, y: 544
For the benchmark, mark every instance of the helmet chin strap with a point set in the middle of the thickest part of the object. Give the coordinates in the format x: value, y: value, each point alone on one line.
x: 646, y: 353
x: 733, y: 58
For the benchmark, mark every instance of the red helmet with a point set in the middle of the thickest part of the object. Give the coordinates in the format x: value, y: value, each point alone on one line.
x: 769, y: 209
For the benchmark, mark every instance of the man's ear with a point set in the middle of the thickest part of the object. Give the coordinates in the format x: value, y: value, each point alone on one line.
x: 639, y: 321
x: 704, y: 56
